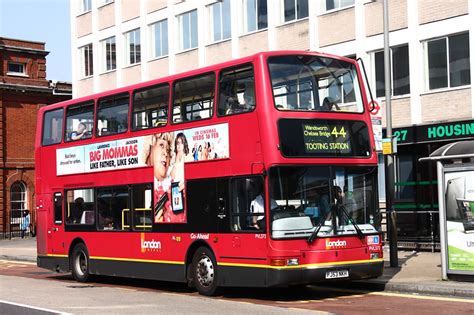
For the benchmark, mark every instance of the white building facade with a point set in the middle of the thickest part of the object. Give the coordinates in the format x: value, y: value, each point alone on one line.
x: 121, y: 42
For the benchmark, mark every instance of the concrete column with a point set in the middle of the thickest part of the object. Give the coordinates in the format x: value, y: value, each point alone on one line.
x: 415, y: 53
x: 313, y: 10
x: 471, y: 51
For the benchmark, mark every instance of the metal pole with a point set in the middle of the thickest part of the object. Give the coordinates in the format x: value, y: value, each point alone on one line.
x: 389, y: 171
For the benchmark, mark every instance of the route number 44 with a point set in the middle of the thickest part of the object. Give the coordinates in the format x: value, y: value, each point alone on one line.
x: 340, y: 133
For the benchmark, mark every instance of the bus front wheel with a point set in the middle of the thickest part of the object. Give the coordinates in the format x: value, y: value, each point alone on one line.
x: 80, y: 263
x: 205, y: 272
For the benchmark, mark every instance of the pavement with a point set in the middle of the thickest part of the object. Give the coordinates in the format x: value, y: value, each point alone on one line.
x: 417, y: 272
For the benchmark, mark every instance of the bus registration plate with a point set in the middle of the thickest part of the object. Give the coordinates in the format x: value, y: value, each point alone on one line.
x: 337, y: 274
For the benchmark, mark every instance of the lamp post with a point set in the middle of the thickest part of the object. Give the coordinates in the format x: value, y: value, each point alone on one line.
x: 389, y: 169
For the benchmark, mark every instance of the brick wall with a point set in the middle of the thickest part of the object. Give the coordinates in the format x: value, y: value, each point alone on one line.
x: 219, y: 52
x: 131, y: 75
x: 187, y: 61
x: 107, y: 81
x: 293, y: 36
x: 434, y: 10
x: 84, y: 25
x: 446, y: 105
x: 401, y: 113
x: 155, y: 5
x: 158, y: 68
x: 84, y: 87
x: 336, y: 27
x: 106, y: 16
x: 130, y: 10
x: 253, y: 43
x: 374, y: 16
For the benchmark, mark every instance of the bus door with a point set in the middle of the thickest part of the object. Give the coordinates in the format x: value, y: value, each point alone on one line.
x: 55, y: 224
x: 246, y: 242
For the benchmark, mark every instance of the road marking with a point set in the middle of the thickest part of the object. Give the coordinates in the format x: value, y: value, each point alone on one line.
x: 422, y: 297
x: 33, y: 307
x: 17, y: 262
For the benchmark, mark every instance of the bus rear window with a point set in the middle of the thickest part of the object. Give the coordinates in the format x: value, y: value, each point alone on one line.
x: 53, y: 127
x: 311, y: 83
x: 112, y: 115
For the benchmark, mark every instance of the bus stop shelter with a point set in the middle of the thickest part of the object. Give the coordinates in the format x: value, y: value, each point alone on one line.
x: 455, y: 169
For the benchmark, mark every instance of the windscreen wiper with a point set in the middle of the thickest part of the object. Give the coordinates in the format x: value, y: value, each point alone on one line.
x: 349, y: 218
x: 319, y: 224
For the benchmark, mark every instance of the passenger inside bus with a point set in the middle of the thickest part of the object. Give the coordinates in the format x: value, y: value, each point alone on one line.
x: 80, y: 133
x: 257, y: 206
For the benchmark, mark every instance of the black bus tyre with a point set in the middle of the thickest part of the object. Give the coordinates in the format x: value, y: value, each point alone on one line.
x: 80, y: 263
x: 204, y: 271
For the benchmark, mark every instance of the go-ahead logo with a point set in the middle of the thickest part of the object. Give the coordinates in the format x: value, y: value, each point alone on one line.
x: 335, y: 244
x: 149, y: 246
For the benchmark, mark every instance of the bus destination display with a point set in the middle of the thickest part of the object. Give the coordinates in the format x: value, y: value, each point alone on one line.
x: 323, y: 138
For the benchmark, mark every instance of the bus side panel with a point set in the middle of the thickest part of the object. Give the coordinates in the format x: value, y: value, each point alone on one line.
x: 139, y: 270
x: 42, y: 238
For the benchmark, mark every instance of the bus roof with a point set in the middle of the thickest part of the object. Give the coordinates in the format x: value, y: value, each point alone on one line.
x: 189, y: 73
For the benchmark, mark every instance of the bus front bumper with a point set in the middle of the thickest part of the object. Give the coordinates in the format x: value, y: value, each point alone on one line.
x: 309, y: 275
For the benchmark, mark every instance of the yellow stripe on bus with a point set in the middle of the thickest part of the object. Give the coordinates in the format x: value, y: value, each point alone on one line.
x: 139, y: 260
x: 334, y: 263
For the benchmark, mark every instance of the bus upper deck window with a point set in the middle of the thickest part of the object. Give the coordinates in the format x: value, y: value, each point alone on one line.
x: 53, y: 126
x: 112, y: 115
x: 79, y: 121
x: 194, y: 98
x: 150, y: 107
x: 236, y: 91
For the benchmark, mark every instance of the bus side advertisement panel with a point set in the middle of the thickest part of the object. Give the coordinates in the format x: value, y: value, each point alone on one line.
x: 167, y: 152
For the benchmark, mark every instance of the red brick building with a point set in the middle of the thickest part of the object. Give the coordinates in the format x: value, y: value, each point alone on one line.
x: 23, y: 90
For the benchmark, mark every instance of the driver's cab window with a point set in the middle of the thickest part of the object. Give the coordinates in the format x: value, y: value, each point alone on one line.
x: 248, y: 204
x: 79, y: 121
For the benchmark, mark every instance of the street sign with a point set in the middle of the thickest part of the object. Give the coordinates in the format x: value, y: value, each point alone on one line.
x: 387, y: 146
x: 376, y: 118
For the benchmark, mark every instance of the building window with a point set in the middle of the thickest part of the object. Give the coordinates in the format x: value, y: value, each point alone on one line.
x: 256, y: 15
x: 15, y: 68
x: 87, y: 62
x: 219, y: 13
x: 159, y: 31
x: 400, y: 72
x: 17, y: 202
x: 85, y: 6
x: 295, y: 9
x: 337, y: 4
x: 132, y: 47
x: 448, y: 62
x: 188, y: 30
x: 110, y: 56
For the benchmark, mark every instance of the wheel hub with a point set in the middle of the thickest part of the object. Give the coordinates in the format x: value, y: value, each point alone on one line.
x: 205, y: 271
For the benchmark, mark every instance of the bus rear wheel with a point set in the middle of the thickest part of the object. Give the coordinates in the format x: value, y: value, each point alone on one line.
x: 80, y: 263
x: 205, y: 271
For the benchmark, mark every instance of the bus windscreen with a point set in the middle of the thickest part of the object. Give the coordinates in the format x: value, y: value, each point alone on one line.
x: 315, y: 83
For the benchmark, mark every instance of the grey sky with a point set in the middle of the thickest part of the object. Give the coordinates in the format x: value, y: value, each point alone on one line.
x: 41, y: 21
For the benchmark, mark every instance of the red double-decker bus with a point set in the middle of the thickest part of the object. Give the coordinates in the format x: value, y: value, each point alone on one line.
x: 260, y: 171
